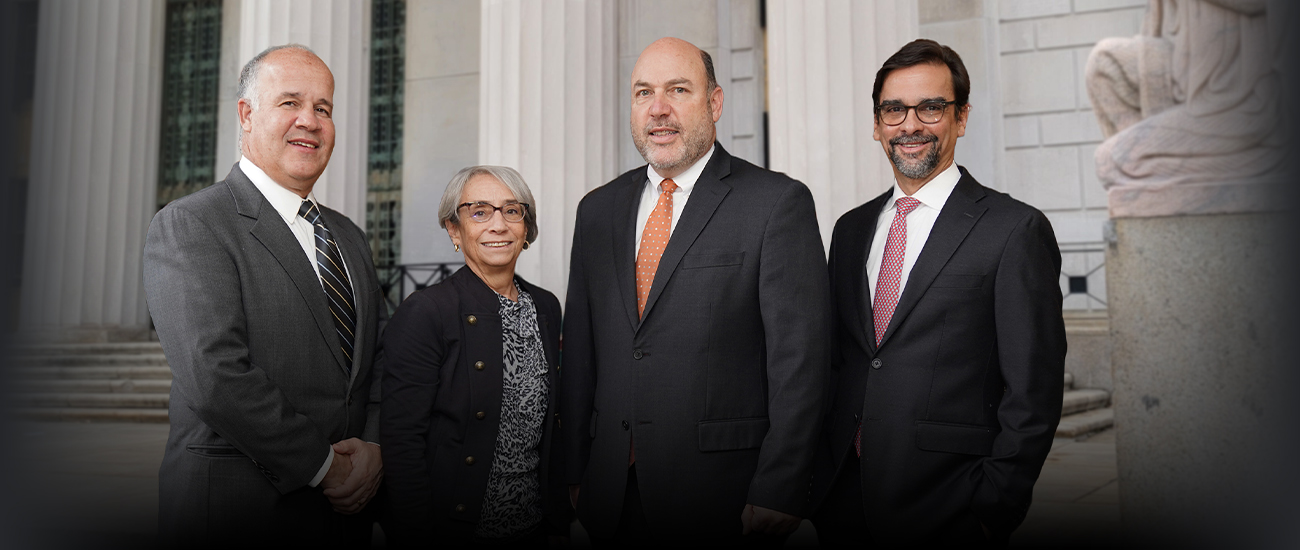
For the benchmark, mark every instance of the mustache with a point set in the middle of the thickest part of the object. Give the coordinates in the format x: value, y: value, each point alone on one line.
x: 913, y: 139
x: 650, y: 126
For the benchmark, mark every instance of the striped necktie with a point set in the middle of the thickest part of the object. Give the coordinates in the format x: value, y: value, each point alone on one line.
x: 333, y: 278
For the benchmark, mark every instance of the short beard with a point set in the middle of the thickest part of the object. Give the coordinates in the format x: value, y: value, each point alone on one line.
x: 919, y: 168
x: 694, y: 145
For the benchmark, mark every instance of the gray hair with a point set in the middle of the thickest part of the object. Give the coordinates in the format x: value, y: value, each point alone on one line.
x: 248, y: 76
x: 509, y: 177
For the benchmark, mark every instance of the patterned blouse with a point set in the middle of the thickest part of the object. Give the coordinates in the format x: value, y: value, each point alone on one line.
x: 512, y: 504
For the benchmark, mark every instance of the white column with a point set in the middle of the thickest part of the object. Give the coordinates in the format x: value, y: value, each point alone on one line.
x: 339, y: 32
x: 822, y: 61
x: 547, y: 108
x: 94, y: 159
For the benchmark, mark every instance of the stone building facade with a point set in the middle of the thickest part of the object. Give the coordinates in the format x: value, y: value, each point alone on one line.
x: 540, y: 86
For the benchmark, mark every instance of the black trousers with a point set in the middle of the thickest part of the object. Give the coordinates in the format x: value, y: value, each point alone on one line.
x: 841, y: 522
x: 634, y: 531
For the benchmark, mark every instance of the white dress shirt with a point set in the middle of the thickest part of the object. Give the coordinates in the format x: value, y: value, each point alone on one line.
x: 287, y: 203
x: 933, y: 195
x: 650, y: 196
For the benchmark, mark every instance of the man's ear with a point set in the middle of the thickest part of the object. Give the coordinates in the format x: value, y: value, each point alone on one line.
x: 245, y: 115
x: 963, y: 115
x: 715, y: 103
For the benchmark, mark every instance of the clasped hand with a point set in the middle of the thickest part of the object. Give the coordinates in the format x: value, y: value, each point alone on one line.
x: 354, y: 476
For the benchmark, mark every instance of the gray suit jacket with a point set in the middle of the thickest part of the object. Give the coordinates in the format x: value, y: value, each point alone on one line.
x: 260, y: 388
x: 720, y: 382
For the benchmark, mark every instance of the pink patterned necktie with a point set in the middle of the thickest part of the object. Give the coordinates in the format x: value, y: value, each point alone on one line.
x: 885, y: 298
x: 891, y: 267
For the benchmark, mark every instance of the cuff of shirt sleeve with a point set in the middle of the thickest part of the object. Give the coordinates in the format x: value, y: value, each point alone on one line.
x: 324, y: 469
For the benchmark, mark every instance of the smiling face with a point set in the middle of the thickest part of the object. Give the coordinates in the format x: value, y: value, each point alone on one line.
x: 673, y: 111
x: 918, y: 150
x: 290, y: 135
x: 490, y: 247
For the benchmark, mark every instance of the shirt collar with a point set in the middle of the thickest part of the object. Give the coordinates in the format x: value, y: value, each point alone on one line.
x: 934, y: 193
x: 686, y: 180
x: 284, y: 201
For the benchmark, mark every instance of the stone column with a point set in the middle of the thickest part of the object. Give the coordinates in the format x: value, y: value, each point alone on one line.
x: 822, y: 60
x: 441, y: 111
x: 94, y: 160
x: 339, y: 32
x: 547, y: 108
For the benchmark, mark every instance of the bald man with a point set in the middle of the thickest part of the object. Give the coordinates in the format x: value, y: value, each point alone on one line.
x: 268, y: 307
x: 695, y: 330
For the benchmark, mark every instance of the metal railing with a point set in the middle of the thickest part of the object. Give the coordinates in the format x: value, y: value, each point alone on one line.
x: 399, y: 281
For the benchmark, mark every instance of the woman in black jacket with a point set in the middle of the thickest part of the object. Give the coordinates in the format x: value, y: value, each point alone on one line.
x: 471, y: 371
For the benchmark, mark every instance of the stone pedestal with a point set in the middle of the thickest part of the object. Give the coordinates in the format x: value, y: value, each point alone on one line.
x: 94, y: 165
x: 1195, y: 325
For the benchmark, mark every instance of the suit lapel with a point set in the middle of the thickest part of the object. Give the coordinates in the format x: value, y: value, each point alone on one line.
x: 271, y: 231
x: 861, y: 322
x: 707, y: 194
x: 624, y: 222
x: 955, y: 221
x: 353, y: 250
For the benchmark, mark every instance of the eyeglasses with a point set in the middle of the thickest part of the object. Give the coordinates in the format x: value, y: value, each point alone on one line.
x: 929, y: 112
x: 482, y: 212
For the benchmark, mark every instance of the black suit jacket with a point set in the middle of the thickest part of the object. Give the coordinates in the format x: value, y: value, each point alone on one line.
x: 959, y: 403
x: 442, y: 385
x: 260, y: 385
x: 720, y: 381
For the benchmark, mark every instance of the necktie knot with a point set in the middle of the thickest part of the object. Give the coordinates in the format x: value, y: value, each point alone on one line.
x: 906, y: 205
x: 668, y: 186
x: 309, y: 212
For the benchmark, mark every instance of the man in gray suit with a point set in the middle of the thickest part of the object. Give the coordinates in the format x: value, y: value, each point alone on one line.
x: 695, y: 333
x: 270, y: 340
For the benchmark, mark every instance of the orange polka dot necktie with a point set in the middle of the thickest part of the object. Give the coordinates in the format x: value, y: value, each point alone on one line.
x: 654, y: 238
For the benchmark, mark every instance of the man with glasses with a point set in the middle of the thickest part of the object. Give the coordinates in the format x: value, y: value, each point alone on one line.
x: 947, y: 377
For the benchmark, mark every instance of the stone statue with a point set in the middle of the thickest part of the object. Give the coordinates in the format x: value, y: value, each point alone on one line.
x: 1194, y: 98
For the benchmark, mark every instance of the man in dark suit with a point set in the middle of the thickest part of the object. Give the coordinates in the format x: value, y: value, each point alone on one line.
x: 695, y: 330
x: 268, y: 307
x: 950, y: 345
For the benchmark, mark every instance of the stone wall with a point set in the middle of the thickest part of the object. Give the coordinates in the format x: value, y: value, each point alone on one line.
x: 1049, y: 129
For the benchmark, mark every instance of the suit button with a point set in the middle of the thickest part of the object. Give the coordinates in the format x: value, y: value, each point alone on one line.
x: 349, y: 401
x: 469, y: 461
x: 478, y: 365
x: 875, y: 363
x: 626, y: 426
x: 637, y: 355
x: 480, y: 415
x: 471, y: 320
x: 460, y: 508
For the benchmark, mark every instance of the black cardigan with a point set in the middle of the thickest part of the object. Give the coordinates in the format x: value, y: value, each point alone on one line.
x: 442, y: 355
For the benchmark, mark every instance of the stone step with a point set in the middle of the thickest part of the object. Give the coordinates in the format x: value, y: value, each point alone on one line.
x: 1069, y: 381
x: 94, y: 386
x: 92, y: 400
x: 126, y: 348
x: 1076, y: 401
x: 1086, y: 422
x: 93, y: 415
x: 96, y: 360
x: 93, y: 373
